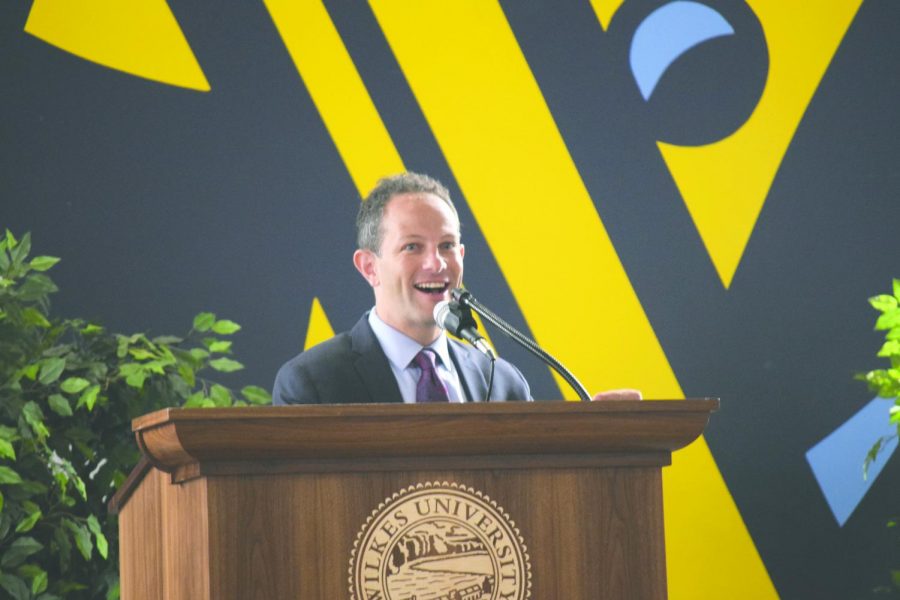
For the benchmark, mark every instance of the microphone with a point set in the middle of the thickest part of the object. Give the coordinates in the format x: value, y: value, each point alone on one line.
x: 458, y: 320
x: 467, y: 301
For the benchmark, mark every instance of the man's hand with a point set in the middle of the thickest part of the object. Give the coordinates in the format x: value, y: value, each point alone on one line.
x: 622, y: 394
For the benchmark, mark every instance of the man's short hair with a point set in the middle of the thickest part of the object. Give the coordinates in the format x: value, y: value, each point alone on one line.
x: 371, y: 210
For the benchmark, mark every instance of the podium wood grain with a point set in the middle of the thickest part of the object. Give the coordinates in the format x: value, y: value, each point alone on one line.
x: 267, y: 503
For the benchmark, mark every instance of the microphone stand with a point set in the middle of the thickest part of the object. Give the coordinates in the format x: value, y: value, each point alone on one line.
x: 466, y: 299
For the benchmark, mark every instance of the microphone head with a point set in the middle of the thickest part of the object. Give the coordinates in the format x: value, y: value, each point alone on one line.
x: 441, y: 311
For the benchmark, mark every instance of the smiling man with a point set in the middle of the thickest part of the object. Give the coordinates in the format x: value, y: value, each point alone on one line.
x: 409, y: 252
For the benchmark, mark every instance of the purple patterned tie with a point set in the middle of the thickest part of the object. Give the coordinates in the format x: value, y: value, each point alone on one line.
x: 430, y: 388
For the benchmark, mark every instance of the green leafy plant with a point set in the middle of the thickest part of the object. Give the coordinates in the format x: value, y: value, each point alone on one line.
x: 68, y: 392
x: 886, y: 382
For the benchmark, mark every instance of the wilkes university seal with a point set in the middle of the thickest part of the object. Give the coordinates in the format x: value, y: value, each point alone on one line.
x: 439, y: 541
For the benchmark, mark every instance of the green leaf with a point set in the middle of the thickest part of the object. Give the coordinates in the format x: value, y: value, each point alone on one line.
x: 187, y: 373
x: 32, y: 316
x: 33, y: 488
x: 122, y: 348
x: 897, y: 289
x: 36, y: 286
x: 8, y: 433
x: 888, y: 320
x: 198, y: 354
x: 225, y: 365
x: 890, y: 348
x: 73, y: 385
x: 19, y: 550
x: 39, y: 583
x: 220, y: 346
x: 91, y: 329
x: 220, y: 395
x: 79, y: 484
x: 102, y: 543
x: 6, y: 450
x: 30, y: 520
x: 134, y: 374
x: 196, y: 400
x: 64, y: 546
x: 156, y: 366
x: 8, y: 476
x: 256, y: 395
x: 34, y: 416
x: 51, y: 369
x: 204, y: 321
x: 31, y: 371
x: 82, y: 538
x: 225, y: 327
x: 71, y: 586
x: 42, y: 263
x: 28, y: 570
x: 11, y: 241
x: 60, y: 405
x: 21, y: 251
x: 113, y: 593
x: 883, y: 302
x: 141, y: 353
x: 89, y: 397
x: 167, y: 340
x: 1, y: 501
x: 14, y: 586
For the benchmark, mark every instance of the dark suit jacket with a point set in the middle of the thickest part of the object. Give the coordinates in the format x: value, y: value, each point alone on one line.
x: 352, y: 368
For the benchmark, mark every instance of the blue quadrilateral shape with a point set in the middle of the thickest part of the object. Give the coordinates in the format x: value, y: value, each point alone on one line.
x: 837, y: 461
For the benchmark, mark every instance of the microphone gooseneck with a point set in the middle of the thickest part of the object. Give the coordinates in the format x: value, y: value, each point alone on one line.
x: 466, y: 299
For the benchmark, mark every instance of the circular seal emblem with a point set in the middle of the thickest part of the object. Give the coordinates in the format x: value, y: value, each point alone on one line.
x: 439, y: 541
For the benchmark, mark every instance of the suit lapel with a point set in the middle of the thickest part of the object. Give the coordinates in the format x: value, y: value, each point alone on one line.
x: 471, y: 376
x: 372, y: 365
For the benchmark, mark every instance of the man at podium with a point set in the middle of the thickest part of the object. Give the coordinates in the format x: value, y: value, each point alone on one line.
x: 409, y: 251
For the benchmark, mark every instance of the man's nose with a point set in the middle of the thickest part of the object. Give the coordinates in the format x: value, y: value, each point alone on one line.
x: 434, y: 260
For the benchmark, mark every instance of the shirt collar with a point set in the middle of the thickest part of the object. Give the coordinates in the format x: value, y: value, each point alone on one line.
x: 400, y: 349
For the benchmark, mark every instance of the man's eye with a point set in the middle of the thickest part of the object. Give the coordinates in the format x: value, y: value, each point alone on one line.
x: 410, y: 247
x: 448, y: 245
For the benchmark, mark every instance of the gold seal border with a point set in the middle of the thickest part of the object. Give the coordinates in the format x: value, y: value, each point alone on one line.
x: 437, y: 486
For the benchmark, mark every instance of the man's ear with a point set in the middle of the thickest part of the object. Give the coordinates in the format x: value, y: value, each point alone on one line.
x: 364, y: 261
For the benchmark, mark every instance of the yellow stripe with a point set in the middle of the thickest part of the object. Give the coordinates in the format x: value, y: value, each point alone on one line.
x: 605, y: 10
x: 725, y: 184
x: 139, y: 37
x: 319, y: 328
x: 500, y: 140
x: 337, y: 90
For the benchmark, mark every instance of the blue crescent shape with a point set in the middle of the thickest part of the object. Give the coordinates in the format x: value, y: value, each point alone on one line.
x: 667, y: 33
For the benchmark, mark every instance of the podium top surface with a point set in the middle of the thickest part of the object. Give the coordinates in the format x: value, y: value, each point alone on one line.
x: 367, y: 437
x: 174, y: 437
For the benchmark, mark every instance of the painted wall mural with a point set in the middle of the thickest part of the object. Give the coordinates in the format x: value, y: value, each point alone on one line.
x: 690, y: 197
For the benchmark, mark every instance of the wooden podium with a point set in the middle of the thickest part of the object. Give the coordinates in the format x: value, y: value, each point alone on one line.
x: 506, y: 501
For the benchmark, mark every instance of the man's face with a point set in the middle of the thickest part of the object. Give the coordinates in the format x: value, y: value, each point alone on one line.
x: 421, y: 260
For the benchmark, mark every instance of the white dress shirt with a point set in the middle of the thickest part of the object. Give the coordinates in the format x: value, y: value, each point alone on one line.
x: 400, y: 350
